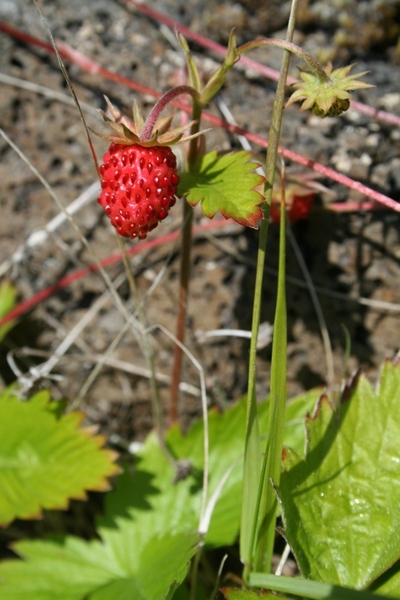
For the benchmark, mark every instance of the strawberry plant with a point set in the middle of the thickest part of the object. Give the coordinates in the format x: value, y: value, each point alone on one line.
x: 321, y: 469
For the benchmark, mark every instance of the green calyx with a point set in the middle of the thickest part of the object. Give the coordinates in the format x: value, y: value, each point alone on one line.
x: 327, y: 97
x: 127, y: 131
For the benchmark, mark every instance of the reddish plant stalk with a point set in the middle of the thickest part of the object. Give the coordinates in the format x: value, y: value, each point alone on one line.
x: 161, y: 104
x: 184, y: 280
x: 182, y: 310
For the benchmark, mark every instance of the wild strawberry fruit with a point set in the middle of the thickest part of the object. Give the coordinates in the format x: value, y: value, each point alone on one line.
x: 138, y: 187
x: 298, y: 206
x: 139, y: 178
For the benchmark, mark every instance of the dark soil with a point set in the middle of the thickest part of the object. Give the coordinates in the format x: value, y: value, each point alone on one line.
x: 353, y: 258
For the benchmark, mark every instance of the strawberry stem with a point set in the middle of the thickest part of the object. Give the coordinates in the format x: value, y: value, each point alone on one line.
x: 314, y: 65
x: 184, y: 276
x: 165, y: 99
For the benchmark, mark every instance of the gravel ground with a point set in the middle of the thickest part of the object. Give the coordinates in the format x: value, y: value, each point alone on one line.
x: 350, y: 256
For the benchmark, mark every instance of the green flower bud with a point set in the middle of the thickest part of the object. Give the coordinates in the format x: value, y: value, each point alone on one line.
x: 327, y: 96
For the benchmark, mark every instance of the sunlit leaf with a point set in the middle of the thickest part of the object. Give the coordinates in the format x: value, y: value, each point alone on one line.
x: 225, y: 184
x: 46, y: 459
x: 341, y: 505
x: 147, y: 534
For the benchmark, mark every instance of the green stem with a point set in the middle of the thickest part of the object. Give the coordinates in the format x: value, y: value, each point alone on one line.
x: 314, y: 65
x: 272, y: 462
x: 252, y: 466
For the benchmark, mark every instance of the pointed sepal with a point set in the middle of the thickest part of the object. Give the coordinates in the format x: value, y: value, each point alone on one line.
x: 327, y: 97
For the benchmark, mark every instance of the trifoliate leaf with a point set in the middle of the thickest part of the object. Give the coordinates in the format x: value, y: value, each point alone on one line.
x: 341, y: 504
x: 225, y: 184
x: 45, y: 458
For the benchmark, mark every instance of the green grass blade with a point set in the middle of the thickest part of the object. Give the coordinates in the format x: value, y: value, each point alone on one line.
x: 253, y: 541
x: 252, y: 450
x: 308, y: 589
x: 271, y: 468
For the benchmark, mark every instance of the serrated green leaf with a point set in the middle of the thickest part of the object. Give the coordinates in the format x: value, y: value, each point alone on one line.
x: 341, y: 505
x: 225, y: 184
x: 144, y: 505
x: 168, y: 557
x: 64, y: 569
x: 162, y: 567
x: 72, y: 569
x: 147, y: 503
x: 45, y: 460
x: 147, y: 543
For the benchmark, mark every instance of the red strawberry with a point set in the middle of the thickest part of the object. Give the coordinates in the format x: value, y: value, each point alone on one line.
x: 139, y: 184
x: 139, y: 176
x: 298, y: 205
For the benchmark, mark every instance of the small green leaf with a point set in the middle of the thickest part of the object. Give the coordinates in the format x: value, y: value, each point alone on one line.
x: 226, y: 184
x: 341, y: 505
x: 45, y: 459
